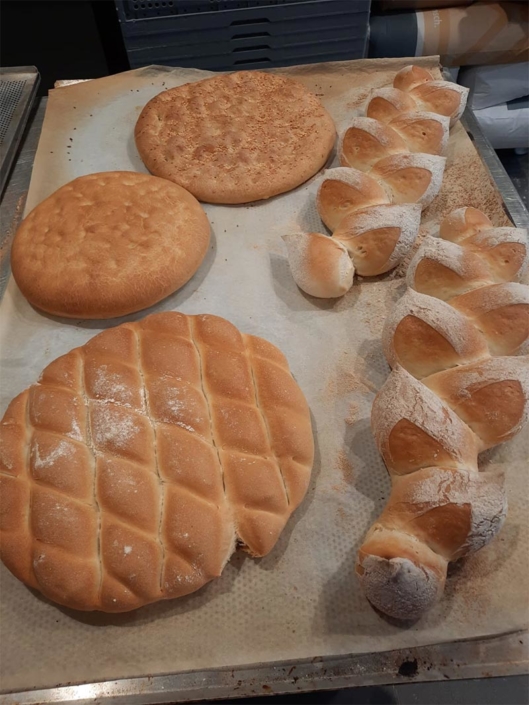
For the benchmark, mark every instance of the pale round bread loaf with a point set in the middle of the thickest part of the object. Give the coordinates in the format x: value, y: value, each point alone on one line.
x: 134, y: 467
x: 108, y: 244
x: 236, y: 137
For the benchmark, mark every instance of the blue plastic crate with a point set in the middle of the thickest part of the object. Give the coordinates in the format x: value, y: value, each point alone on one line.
x: 235, y: 34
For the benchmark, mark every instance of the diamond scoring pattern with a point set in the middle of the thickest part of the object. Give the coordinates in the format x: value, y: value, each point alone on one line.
x: 133, y: 466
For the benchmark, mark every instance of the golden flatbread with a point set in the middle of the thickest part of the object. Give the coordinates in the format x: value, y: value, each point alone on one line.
x: 236, y: 137
x: 108, y: 244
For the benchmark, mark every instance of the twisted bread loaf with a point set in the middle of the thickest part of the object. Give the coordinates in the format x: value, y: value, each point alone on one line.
x: 135, y: 465
x: 385, y: 168
x: 456, y: 389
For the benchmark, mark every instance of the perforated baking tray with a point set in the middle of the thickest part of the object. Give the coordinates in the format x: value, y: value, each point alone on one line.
x: 18, y: 87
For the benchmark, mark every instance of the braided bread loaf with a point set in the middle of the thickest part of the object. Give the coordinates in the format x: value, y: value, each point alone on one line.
x: 457, y: 342
x: 369, y: 202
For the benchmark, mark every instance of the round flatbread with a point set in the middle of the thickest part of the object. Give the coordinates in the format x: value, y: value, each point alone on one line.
x: 237, y: 137
x: 108, y: 244
x: 138, y: 463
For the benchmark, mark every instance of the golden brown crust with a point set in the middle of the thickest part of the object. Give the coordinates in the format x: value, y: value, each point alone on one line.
x: 492, y: 397
x: 366, y: 141
x: 423, y: 131
x: 411, y: 178
x: 472, y: 395
x: 442, y: 97
x: 379, y: 237
x: 501, y: 313
x: 414, y: 89
x: 237, y: 137
x: 411, y: 76
x: 386, y: 104
x: 133, y: 466
x: 343, y: 191
x: 442, y: 337
x: 462, y: 223
x: 389, y: 158
x: 108, y: 244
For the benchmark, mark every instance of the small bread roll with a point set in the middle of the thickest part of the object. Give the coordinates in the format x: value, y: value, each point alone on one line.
x: 343, y: 190
x: 422, y: 131
x: 366, y: 141
x: 385, y: 104
x: 378, y: 238
x: 411, y: 178
x: 410, y: 77
x: 319, y: 265
x: 442, y: 97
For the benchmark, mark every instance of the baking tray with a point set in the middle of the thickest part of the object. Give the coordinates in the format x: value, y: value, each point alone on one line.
x: 18, y: 87
x: 498, y: 656
x: 501, y: 656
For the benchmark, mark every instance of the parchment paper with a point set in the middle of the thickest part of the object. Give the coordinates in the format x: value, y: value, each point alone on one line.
x: 303, y: 599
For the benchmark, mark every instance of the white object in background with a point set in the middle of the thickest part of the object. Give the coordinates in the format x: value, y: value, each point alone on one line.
x: 506, y: 126
x: 482, y: 33
x: 494, y: 85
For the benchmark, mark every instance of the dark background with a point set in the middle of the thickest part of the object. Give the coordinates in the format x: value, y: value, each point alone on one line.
x: 64, y: 39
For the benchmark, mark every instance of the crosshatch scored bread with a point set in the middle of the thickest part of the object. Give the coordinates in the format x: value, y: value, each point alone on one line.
x: 134, y: 467
x: 236, y: 137
x: 108, y: 244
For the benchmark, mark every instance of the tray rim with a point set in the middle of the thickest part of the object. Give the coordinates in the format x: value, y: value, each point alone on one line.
x: 472, y: 658
x: 19, y: 117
